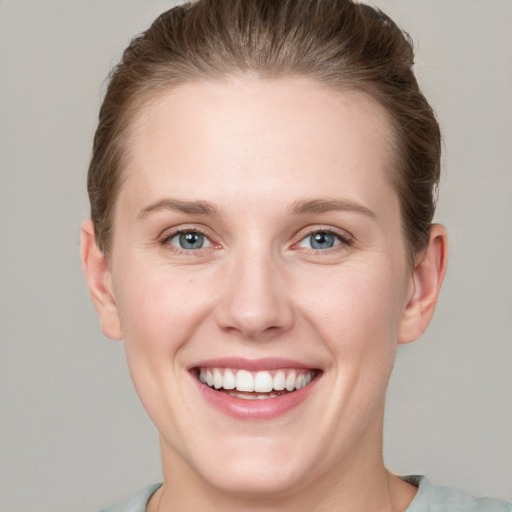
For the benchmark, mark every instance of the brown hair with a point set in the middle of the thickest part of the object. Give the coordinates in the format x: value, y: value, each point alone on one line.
x: 339, y: 43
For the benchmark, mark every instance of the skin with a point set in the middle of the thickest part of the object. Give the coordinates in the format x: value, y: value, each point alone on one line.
x: 259, y: 152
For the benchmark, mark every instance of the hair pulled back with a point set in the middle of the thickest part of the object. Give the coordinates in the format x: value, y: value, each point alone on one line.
x: 338, y: 43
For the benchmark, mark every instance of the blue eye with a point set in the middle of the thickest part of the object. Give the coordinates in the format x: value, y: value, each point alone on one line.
x: 189, y: 240
x: 320, y: 240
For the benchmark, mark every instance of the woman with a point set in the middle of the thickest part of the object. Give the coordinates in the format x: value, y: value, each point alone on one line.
x: 261, y: 237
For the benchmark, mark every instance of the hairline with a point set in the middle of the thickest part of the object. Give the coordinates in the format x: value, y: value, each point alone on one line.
x: 153, y: 92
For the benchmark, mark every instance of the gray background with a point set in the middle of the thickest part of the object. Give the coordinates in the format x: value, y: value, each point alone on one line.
x: 72, y: 434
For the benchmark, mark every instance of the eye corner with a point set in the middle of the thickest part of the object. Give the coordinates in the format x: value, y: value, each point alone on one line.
x: 187, y: 240
x: 323, y: 239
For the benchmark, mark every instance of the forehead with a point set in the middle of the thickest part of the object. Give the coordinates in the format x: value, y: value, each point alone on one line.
x: 210, y: 139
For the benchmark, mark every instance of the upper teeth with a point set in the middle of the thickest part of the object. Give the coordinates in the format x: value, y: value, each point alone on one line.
x: 261, y: 382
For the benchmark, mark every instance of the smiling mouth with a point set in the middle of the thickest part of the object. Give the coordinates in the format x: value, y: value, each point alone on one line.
x: 261, y: 385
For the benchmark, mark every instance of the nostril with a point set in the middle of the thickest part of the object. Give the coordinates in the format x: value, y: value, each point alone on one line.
x: 256, y: 325
x: 254, y: 301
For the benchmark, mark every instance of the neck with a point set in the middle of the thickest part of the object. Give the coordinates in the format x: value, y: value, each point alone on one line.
x: 359, y: 482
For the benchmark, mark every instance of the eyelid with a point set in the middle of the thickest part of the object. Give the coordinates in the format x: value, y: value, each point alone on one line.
x: 169, y: 233
x: 178, y: 234
x: 345, y: 239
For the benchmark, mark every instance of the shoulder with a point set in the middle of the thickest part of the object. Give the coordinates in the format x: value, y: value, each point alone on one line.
x: 432, y: 498
x: 137, y: 503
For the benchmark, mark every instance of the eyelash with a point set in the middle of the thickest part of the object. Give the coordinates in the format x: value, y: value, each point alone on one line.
x: 166, y: 239
x: 343, y: 239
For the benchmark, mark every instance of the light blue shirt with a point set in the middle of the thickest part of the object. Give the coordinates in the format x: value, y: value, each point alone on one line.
x: 433, y: 498
x: 429, y: 498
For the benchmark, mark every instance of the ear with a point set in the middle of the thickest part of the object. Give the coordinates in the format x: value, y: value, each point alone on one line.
x: 98, y: 275
x: 426, y: 280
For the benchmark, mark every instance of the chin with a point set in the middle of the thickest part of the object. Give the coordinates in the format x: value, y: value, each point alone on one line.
x: 255, y: 467
x: 258, y: 479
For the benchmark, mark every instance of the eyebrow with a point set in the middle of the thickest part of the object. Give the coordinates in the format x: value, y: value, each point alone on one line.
x: 176, y: 205
x: 329, y: 205
x: 302, y: 206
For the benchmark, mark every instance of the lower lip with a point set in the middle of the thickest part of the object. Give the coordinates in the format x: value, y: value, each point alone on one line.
x: 259, y: 409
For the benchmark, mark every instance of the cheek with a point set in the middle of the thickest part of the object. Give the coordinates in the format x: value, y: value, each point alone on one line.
x: 159, y: 307
x: 357, y: 310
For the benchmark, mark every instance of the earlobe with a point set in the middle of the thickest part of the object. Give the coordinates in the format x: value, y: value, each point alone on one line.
x: 97, y: 273
x: 426, y: 280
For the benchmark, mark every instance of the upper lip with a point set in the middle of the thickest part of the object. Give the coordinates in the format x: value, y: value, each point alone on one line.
x: 255, y: 365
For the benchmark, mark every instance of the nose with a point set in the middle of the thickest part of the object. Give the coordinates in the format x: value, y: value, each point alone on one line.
x: 256, y: 300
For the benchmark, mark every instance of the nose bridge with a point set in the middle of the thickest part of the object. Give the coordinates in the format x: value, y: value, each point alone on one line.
x: 255, y: 301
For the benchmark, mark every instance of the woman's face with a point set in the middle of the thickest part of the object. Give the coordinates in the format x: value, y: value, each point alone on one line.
x: 258, y: 244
